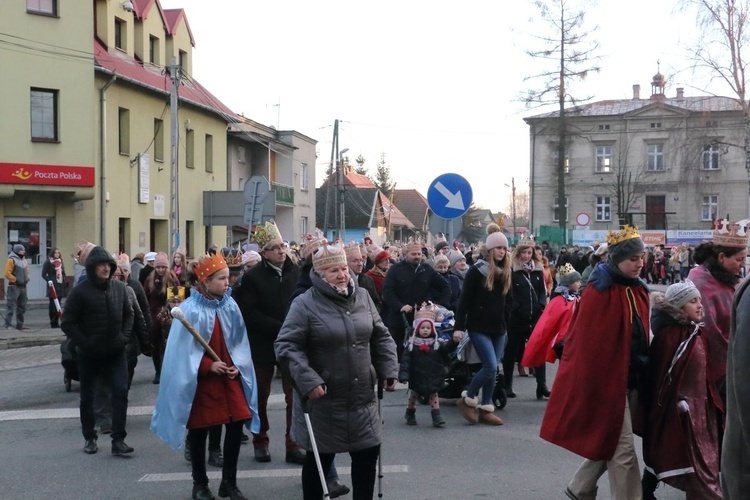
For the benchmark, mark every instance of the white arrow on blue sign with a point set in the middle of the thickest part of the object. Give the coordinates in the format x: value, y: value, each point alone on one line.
x: 449, y: 196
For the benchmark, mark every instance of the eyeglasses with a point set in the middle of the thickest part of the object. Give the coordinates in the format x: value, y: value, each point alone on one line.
x: 275, y: 248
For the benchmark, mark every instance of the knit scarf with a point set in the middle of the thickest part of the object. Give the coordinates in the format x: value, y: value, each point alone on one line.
x: 57, y: 263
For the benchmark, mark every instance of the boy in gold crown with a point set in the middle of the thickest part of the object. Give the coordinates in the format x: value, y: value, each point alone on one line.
x: 192, y: 382
x: 602, y: 365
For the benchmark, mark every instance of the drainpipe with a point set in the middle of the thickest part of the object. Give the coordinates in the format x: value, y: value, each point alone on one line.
x: 103, y: 159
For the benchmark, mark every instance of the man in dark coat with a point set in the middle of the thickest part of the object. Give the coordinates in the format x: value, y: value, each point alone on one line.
x: 407, y: 283
x: 98, y: 320
x: 265, y: 292
x: 356, y: 262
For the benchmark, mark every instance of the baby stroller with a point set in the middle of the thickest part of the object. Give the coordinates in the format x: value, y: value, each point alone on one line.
x: 69, y: 363
x: 464, y: 365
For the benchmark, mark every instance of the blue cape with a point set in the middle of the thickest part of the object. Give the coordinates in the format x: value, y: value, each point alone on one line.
x: 179, y: 372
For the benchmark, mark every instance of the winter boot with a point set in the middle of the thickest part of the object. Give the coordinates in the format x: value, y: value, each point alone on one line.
x: 467, y: 407
x: 509, y: 388
x: 542, y: 392
x: 648, y: 485
x: 215, y: 458
x: 202, y: 492
x: 487, y: 415
x: 228, y: 488
x: 437, y: 419
x: 411, y: 416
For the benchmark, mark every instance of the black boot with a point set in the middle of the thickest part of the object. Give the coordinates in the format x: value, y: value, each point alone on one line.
x: 228, y: 488
x: 411, y: 417
x: 509, y: 388
x: 215, y: 458
x: 202, y: 492
x: 648, y: 485
x: 542, y: 391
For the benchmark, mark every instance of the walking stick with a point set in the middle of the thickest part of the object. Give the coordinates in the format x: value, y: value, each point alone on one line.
x: 306, y: 411
x: 53, y: 293
x: 177, y: 314
x: 380, y: 450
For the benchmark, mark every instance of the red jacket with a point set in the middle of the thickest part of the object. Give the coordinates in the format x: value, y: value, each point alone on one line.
x: 218, y: 400
x: 586, y: 410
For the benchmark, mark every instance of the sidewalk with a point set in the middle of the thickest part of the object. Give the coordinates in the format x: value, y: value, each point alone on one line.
x: 39, y: 332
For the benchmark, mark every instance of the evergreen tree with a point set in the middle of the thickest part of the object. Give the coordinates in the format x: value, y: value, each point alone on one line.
x: 383, y: 179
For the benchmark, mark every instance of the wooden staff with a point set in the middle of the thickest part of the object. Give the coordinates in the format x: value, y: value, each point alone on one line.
x: 177, y: 314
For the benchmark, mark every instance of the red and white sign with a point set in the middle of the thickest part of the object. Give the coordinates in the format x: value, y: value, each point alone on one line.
x: 653, y: 238
x: 57, y: 175
x: 583, y: 219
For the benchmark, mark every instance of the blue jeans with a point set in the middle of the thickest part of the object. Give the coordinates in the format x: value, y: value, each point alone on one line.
x: 490, y: 351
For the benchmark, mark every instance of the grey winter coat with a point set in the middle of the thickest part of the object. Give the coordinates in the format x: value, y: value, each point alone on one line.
x: 339, y: 342
x: 735, y: 455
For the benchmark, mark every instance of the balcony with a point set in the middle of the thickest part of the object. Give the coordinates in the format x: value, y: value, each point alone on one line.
x: 284, y: 194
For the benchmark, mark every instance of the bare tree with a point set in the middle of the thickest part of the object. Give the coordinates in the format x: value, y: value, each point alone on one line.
x: 523, y: 208
x: 721, y: 51
x: 572, y: 56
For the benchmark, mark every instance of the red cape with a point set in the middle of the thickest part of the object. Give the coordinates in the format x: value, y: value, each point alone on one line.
x: 587, y: 406
x: 551, y: 327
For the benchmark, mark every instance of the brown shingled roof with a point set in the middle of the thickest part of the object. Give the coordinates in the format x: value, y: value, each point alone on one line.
x: 413, y: 205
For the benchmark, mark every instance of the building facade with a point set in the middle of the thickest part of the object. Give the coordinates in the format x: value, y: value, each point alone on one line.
x: 662, y: 162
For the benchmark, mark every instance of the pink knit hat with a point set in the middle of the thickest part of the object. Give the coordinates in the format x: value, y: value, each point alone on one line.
x: 495, y: 237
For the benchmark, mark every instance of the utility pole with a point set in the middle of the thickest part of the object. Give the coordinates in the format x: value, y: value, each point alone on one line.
x: 174, y: 70
x: 342, y: 193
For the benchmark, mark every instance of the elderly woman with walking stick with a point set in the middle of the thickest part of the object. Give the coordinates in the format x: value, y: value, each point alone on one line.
x: 336, y: 349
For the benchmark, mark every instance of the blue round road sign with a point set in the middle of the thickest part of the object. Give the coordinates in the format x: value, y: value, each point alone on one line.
x: 449, y: 196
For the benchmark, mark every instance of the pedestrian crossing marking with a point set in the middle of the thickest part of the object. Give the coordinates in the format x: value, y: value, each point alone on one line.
x: 254, y: 474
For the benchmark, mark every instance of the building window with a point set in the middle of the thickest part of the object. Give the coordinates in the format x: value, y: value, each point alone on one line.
x: 304, y: 174
x: 556, y: 210
x: 189, y: 149
x: 604, y: 158
x: 153, y: 50
x: 710, y: 207
x: 183, y: 60
x: 44, y: 115
x: 566, y: 166
x: 712, y: 123
x: 240, y: 154
x: 655, y: 124
x: 48, y: 7
x: 303, y: 225
x: 603, y: 127
x: 655, y: 157
x: 158, y: 140
x: 120, y: 33
x: 123, y: 135
x: 209, y: 153
x: 711, y: 156
x: 603, y: 209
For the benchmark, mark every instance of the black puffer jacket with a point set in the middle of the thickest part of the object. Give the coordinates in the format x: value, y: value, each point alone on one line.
x: 529, y: 298
x: 424, y: 369
x: 98, y: 317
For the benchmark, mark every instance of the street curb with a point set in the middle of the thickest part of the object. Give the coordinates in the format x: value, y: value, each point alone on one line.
x: 19, y: 342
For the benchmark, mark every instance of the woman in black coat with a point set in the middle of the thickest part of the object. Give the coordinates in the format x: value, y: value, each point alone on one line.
x: 529, y: 299
x: 53, y: 271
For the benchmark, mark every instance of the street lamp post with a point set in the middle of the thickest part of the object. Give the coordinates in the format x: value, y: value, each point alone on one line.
x: 513, y: 207
x: 341, y: 189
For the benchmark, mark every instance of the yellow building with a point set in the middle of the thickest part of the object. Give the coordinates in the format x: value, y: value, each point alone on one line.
x: 47, y: 130
x: 85, y: 135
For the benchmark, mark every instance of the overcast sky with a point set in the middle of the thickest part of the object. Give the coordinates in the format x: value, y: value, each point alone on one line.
x: 433, y: 85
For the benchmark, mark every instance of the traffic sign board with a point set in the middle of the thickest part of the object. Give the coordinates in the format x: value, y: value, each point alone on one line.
x: 449, y: 196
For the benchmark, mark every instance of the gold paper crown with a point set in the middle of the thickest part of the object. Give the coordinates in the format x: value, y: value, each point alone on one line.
x: 526, y: 241
x: 328, y: 256
x: 266, y: 233
x: 729, y: 234
x: 426, y: 311
x: 628, y: 232
x: 565, y: 270
x: 176, y: 292
x: 412, y: 244
x: 208, y: 264
x: 232, y: 256
x: 352, y: 249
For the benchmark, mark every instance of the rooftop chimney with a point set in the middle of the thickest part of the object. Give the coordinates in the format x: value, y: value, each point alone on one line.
x: 636, y: 91
x: 680, y: 93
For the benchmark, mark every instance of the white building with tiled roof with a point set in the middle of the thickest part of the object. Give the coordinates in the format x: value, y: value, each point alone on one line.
x: 679, y: 161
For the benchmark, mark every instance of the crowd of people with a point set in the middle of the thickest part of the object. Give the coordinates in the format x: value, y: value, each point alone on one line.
x: 335, y: 321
